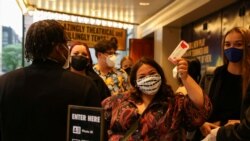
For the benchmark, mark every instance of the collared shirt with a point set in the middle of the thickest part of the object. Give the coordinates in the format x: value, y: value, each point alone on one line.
x: 165, y: 120
x: 116, y: 80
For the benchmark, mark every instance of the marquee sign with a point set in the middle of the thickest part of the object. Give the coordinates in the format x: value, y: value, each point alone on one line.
x: 91, y: 34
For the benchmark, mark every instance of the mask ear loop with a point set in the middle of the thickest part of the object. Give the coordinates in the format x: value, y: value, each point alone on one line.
x: 67, y: 58
x: 136, y: 90
x: 88, y: 62
x: 136, y: 86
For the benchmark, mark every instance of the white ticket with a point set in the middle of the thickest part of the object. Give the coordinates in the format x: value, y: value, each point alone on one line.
x: 179, y: 51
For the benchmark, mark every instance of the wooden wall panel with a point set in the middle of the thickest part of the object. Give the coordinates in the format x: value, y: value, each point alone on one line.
x: 141, y: 47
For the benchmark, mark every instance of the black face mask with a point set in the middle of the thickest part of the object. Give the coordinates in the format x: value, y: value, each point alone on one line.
x: 79, y: 62
x: 128, y: 70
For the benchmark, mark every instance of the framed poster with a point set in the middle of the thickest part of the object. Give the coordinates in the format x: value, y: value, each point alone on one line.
x: 85, y: 123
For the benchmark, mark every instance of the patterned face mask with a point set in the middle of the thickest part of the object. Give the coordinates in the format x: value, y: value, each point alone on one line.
x: 149, y: 84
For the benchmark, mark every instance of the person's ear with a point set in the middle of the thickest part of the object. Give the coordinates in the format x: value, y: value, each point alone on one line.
x: 59, y: 49
x: 99, y: 54
x: 55, y: 52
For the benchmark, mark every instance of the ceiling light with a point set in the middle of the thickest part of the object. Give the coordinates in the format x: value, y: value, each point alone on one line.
x: 98, y: 22
x: 144, y: 3
x: 41, y: 15
x: 25, y: 8
x: 104, y: 23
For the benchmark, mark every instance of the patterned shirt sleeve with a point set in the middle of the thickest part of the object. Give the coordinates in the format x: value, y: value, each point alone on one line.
x: 125, y: 80
x: 194, y: 117
x: 111, y: 102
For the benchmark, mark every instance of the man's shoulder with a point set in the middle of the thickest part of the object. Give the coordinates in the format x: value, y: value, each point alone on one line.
x: 76, y: 77
x: 12, y: 73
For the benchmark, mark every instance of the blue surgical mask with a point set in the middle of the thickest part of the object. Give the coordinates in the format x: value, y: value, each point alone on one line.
x: 233, y: 54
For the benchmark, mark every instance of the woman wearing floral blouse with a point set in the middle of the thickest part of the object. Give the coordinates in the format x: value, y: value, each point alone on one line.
x: 161, y: 114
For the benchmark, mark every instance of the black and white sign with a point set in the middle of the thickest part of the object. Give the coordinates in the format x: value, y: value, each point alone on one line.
x: 85, y: 123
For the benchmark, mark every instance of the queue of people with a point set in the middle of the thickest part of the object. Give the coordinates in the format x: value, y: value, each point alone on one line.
x: 138, y: 102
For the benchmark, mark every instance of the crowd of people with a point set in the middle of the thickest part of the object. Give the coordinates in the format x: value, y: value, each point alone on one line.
x: 138, y: 102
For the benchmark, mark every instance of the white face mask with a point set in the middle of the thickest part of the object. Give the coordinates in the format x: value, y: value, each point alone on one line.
x: 110, y: 60
x: 149, y: 84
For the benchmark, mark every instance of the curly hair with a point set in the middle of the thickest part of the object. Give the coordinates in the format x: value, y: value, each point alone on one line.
x: 165, y: 90
x: 42, y: 37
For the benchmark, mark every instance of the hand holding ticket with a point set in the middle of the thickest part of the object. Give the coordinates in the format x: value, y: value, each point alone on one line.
x: 179, y: 51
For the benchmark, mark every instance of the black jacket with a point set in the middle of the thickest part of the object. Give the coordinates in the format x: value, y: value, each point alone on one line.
x: 101, y: 85
x: 238, y: 132
x: 215, y: 92
x: 34, y: 100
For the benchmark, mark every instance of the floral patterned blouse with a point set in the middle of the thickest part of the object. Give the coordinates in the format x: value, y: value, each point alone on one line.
x: 165, y: 120
x: 116, y: 80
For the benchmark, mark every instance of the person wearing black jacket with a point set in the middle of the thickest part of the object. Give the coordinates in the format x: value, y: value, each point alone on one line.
x: 81, y: 63
x: 226, y: 87
x: 34, y: 99
x: 238, y: 131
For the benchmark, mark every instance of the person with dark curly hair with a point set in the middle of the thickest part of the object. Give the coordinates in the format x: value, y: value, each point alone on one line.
x: 34, y: 99
x: 151, y: 111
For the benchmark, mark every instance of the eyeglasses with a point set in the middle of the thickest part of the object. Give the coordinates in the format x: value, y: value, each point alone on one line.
x: 111, y: 53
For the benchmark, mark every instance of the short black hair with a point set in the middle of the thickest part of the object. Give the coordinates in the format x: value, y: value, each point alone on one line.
x: 103, y: 46
x: 194, y: 69
x: 42, y: 37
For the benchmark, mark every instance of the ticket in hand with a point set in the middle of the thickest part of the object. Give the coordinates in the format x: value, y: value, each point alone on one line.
x: 175, y: 72
x: 179, y: 51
